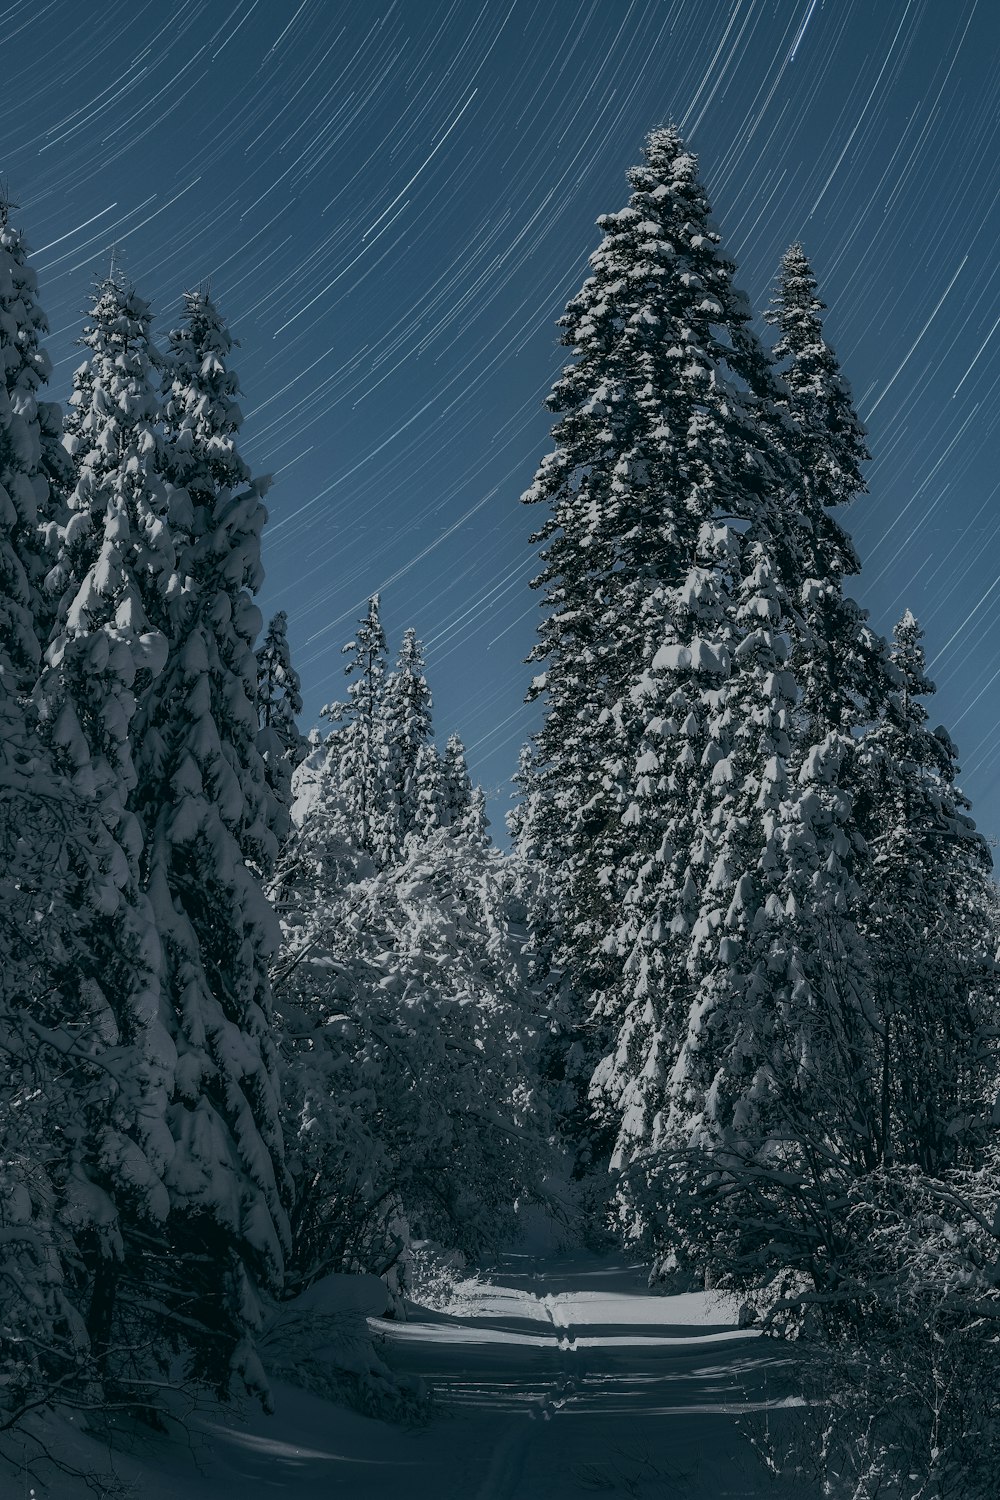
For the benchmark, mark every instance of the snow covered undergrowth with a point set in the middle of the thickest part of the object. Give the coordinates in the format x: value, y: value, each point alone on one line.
x: 561, y: 1377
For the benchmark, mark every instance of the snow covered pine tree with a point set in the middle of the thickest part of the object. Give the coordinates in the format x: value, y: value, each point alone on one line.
x: 49, y: 841
x: 113, y: 571
x: 279, y: 702
x: 707, y: 680
x: 211, y: 827
x: 789, y: 1087
x: 660, y: 436
x: 775, y: 959
x: 358, y: 743
x: 406, y: 732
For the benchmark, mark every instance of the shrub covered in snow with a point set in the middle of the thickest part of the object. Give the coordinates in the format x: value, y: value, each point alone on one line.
x: 904, y: 1383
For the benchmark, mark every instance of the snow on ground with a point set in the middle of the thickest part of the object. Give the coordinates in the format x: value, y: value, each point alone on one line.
x: 563, y: 1377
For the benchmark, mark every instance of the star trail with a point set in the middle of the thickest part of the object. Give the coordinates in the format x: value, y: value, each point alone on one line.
x: 393, y: 203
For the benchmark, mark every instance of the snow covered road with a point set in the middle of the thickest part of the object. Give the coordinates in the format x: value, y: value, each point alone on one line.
x: 567, y: 1378
x: 560, y: 1378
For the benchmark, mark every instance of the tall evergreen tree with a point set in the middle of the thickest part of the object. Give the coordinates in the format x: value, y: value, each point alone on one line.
x: 765, y: 777
x: 115, y: 567
x: 279, y: 702
x: 44, y: 827
x: 359, y: 743
x: 806, y: 671
x: 209, y: 820
x: 666, y: 425
x: 406, y: 730
x: 667, y: 431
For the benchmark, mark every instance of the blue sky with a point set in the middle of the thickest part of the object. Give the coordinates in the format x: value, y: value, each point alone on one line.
x: 394, y: 202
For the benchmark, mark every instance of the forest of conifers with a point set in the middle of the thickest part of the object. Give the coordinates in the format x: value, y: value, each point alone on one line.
x: 274, y: 1005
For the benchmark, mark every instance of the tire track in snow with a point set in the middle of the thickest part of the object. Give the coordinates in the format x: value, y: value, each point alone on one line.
x: 570, y: 1385
x: 504, y: 1475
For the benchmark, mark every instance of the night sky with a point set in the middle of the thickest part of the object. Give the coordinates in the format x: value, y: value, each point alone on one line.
x: 394, y: 202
